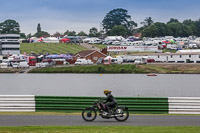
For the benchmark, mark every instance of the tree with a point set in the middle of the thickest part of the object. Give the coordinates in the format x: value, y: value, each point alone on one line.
x: 172, y: 20
x: 82, y: 34
x: 29, y: 36
x: 118, y: 31
x: 131, y: 26
x: 161, y: 29
x: 150, y: 31
x: 93, y: 32
x: 70, y: 33
x: 197, y: 24
x: 42, y: 34
x: 147, y: 22
x: 174, y: 29
x: 117, y: 17
x: 39, y: 28
x: 9, y: 27
x: 22, y: 35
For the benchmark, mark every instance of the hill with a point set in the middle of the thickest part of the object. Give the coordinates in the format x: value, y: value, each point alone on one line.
x: 59, y: 48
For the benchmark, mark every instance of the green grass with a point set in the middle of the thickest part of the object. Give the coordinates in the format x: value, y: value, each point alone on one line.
x: 100, y: 46
x: 98, y: 129
x: 59, y: 48
x: 169, y: 50
x: 92, y: 69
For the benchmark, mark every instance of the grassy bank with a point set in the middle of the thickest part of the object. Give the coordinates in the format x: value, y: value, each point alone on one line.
x: 126, y: 68
x: 171, y: 68
x: 100, y: 46
x: 98, y: 129
x: 9, y: 70
x: 59, y: 48
x: 92, y: 69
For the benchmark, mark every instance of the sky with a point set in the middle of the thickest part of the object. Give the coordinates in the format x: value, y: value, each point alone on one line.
x: 81, y: 15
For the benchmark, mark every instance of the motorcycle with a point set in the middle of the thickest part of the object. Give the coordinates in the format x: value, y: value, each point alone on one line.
x: 120, y: 113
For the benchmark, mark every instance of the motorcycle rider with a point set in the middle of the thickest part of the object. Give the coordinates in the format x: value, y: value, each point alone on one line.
x: 110, y: 101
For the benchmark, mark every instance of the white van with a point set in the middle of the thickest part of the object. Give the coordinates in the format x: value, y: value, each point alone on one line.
x: 140, y: 60
x: 3, y: 65
x: 23, y: 65
x: 83, y: 62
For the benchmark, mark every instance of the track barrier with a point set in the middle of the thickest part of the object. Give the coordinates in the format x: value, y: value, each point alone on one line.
x: 136, y: 105
x: 17, y: 103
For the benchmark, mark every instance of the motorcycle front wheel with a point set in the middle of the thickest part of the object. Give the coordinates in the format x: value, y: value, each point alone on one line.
x: 89, y: 114
x: 124, y: 115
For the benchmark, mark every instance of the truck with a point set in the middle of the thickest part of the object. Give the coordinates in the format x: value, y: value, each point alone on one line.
x: 32, y: 60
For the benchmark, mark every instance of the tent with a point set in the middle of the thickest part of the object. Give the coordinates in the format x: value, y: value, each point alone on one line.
x: 167, y: 42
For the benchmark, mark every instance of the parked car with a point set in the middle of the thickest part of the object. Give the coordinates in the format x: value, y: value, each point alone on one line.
x: 100, y: 61
x: 3, y: 65
x: 81, y: 62
x: 24, y: 65
x: 15, y: 65
x: 42, y: 64
x: 89, y: 62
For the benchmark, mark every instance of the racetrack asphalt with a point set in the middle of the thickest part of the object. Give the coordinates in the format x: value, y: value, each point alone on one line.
x: 76, y: 120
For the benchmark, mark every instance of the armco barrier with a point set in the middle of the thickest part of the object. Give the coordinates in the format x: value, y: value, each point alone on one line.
x: 17, y: 103
x: 184, y: 105
x: 77, y: 104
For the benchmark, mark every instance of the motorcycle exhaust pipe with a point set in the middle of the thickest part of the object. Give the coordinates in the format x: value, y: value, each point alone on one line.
x: 119, y: 115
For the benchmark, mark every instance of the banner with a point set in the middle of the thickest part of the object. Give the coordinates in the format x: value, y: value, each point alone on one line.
x: 132, y: 48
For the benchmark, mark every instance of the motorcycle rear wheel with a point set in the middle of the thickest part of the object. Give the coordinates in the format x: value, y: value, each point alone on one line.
x: 89, y: 114
x: 124, y: 117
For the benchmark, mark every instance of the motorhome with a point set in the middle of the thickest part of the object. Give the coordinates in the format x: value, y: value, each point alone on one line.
x: 110, y: 60
x: 94, y: 41
x: 117, y: 60
x: 192, y: 45
x: 141, y: 60
x: 83, y: 62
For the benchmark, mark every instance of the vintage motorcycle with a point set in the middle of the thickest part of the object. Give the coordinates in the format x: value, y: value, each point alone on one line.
x: 120, y: 113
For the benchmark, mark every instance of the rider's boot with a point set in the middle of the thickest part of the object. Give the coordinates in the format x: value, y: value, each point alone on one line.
x: 109, y: 113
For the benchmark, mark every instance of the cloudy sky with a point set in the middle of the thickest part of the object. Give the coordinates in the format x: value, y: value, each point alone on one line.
x: 81, y: 15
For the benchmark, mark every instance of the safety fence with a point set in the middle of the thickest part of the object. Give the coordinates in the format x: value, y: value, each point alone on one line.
x: 184, y: 105
x: 77, y: 104
x: 137, y: 105
x: 17, y: 103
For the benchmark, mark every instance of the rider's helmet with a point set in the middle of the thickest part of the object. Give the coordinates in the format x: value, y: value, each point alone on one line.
x: 106, y: 91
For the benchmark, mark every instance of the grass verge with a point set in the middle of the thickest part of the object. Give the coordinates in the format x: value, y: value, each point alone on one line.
x: 128, y: 68
x: 98, y: 129
x: 9, y: 70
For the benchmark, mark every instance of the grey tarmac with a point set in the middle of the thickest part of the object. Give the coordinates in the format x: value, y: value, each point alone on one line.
x: 76, y: 120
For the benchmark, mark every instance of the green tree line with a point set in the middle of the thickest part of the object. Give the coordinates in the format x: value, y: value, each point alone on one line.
x: 118, y: 22
x: 172, y: 28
